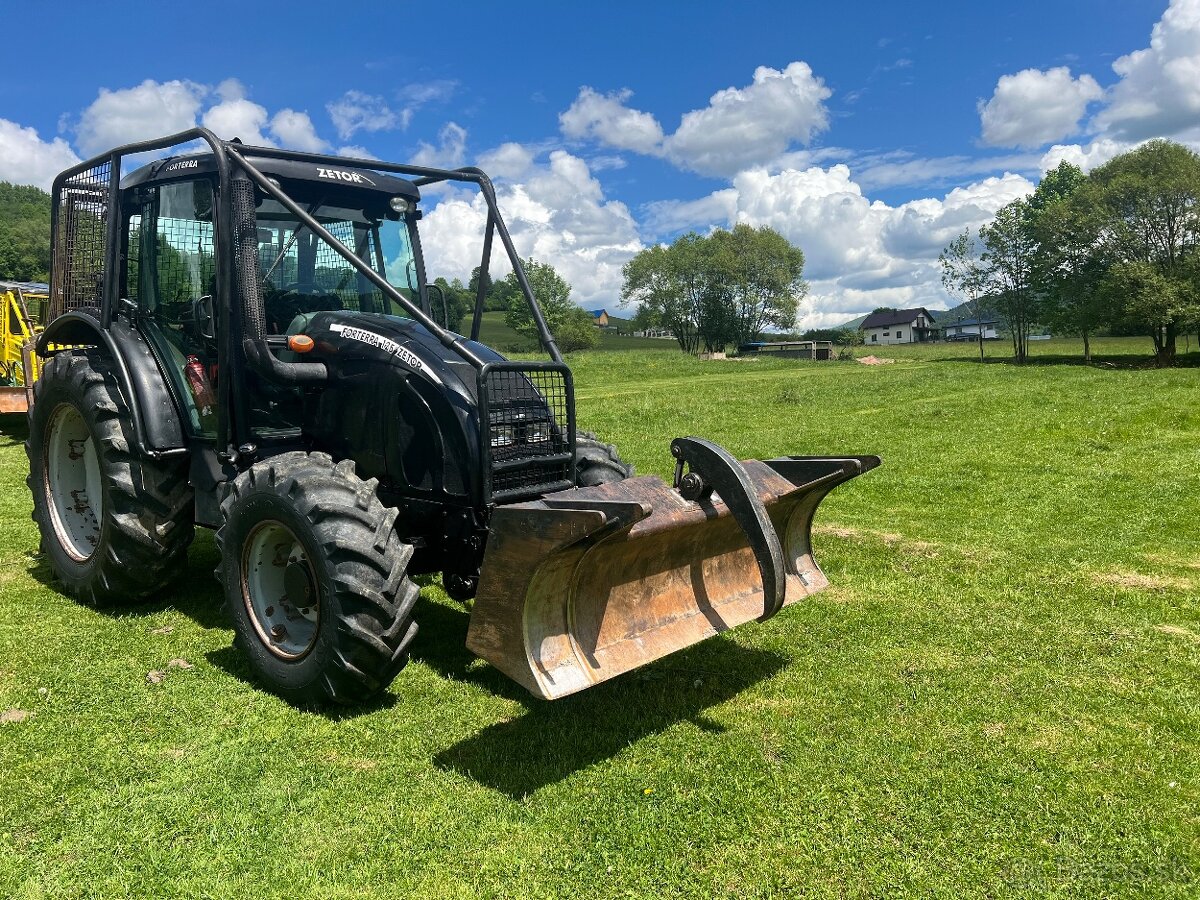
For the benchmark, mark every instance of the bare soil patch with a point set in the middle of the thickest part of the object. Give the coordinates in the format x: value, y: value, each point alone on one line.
x: 1139, y: 581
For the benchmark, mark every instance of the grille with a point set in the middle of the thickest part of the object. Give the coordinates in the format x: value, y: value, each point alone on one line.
x: 529, y: 439
x: 81, y: 233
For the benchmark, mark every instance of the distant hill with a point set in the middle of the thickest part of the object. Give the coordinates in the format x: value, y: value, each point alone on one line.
x: 854, y: 324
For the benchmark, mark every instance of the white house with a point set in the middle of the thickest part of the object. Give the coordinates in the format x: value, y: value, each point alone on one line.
x: 899, y: 326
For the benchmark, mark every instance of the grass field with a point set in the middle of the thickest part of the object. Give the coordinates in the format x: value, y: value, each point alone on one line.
x: 999, y: 696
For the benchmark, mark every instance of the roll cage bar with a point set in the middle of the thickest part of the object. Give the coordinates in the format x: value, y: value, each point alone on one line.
x: 231, y: 154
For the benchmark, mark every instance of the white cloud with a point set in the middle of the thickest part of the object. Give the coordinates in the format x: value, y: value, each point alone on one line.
x: 422, y: 92
x: 355, y: 151
x: 295, y: 130
x: 1088, y: 157
x: 26, y: 159
x: 1158, y: 93
x: 147, y: 111
x: 511, y: 160
x: 240, y: 118
x: 1034, y: 107
x: 606, y: 118
x: 743, y: 127
x: 449, y: 152
x: 152, y: 109
x: 558, y: 214
x: 359, y: 111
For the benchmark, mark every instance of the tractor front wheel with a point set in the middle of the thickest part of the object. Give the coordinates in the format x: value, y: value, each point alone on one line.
x: 315, y: 579
x: 598, y: 463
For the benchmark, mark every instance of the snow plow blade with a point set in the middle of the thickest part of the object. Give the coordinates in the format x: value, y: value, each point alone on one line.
x: 585, y: 584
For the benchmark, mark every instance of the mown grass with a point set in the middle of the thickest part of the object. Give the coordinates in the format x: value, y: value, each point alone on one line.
x: 999, y: 696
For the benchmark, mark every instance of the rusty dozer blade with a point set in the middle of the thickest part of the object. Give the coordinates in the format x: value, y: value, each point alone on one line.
x: 585, y: 584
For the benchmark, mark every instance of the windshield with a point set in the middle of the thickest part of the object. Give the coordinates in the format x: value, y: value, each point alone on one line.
x: 301, y: 273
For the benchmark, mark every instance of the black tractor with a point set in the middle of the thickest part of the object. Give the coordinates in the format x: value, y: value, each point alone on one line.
x: 243, y: 338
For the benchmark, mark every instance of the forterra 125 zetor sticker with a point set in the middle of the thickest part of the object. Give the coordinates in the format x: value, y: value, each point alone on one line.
x: 406, y: 356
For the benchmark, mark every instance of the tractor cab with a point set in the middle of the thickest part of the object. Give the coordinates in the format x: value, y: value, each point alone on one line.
x: 171, y: 280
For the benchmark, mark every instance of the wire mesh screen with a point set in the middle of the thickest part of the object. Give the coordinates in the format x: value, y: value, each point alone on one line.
x: 333, y: 275
x: 184, y: 264
x: 81, y: 208
x: 529, y: 435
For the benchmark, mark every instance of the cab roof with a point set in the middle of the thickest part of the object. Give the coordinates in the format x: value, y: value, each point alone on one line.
x: 331, y: 172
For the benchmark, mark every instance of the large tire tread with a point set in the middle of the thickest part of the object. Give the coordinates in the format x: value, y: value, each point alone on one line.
x: 598, y: 463
x: 148, y: 504
x: 370, y: 596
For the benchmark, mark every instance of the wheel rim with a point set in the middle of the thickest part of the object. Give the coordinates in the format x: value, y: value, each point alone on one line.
x: 279, y: 588
x: 74, y: 490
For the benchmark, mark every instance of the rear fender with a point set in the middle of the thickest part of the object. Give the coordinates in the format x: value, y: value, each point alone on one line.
x: 157, y: 425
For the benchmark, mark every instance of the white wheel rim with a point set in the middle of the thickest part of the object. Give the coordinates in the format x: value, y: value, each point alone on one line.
x: 286, y: 628
x: 74, y: 490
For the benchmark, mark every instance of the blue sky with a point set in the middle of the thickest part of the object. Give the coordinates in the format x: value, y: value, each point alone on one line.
x: 868, y: 133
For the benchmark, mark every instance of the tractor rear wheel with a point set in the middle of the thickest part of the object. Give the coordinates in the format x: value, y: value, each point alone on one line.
x: 115, y: 525
x: 315, y: 579
x: 597, y: 462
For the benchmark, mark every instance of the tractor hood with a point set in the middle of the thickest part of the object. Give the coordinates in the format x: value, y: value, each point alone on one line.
x: 346, y: 341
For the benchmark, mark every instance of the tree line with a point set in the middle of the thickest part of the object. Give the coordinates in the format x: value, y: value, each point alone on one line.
x: 1114, y: 250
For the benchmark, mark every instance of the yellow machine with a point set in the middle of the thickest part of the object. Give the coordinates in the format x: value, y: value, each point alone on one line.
x: 22, y: 311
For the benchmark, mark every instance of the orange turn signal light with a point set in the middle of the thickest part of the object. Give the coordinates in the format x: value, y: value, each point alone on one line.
x: 300, y: 343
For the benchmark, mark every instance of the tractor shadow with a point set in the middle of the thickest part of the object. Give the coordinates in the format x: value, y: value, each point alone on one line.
x: 193, y: 593
x: 554, y: 739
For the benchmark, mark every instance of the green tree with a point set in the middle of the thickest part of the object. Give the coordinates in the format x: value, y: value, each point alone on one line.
x: 965, y: 275
x: 1071, y: 263
x: 764, y: 277
x: 1059, y: 183
x: 726, y: 288
x: 666, y: 283
x: 1150, y: 202
x: 1008, y: 257
x: 577, y: 331
x: 498, y: 295
x: 553, y: 295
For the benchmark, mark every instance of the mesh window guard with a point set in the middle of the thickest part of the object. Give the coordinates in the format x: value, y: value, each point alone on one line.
x: 81, y: 232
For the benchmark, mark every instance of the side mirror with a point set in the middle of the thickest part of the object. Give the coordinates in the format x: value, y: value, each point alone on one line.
x: 203, y: 317
x: 445, y: 323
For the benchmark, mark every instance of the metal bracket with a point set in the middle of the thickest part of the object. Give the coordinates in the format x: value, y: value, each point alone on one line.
x: 713, y: 468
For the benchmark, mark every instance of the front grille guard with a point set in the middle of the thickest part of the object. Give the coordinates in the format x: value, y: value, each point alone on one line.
x: 526, y: 429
